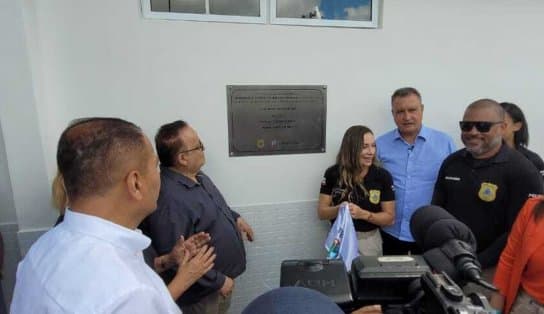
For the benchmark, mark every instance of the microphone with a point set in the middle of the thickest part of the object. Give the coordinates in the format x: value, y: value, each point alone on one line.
x: 465, y: 262
x: 448, y: 244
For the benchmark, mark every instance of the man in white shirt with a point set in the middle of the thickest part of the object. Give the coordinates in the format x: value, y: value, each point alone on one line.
x: 93, y: 262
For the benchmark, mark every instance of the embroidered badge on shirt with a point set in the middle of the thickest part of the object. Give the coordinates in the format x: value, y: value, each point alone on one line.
x: 374, y: 196
x: 488, y: 192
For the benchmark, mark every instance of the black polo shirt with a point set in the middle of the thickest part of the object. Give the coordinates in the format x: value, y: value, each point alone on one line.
x: 486, y: 195
x: 377, y: 182
x: 186, y: 207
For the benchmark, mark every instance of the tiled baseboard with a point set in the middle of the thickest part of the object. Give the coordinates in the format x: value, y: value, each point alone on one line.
x: 282, y: 231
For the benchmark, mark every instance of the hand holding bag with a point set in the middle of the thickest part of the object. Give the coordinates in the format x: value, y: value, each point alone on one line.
x: 342, y: 239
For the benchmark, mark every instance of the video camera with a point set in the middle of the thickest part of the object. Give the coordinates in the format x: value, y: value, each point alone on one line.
x: 427, y: 283
x: 401, y: 284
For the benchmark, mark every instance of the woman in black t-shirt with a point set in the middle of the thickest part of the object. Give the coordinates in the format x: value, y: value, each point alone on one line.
x: 366, y: 187
x: 516, y: 134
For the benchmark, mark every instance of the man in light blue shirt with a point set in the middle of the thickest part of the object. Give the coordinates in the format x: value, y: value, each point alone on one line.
x: 412, y: 153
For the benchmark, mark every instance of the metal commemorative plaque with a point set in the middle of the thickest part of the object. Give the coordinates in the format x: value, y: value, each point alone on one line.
x: 276, y: 119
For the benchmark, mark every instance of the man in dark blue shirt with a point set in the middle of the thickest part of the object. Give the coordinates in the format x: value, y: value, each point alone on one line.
x: 190, y: 203
x: 485, y: 184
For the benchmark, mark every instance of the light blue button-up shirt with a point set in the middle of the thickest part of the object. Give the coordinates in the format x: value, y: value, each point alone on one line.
x: 414, y: 168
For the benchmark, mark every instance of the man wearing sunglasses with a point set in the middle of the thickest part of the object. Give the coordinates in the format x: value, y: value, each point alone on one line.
x: 190, y: 203
x: 486, y: 183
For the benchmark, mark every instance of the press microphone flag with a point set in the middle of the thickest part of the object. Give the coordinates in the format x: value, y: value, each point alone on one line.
x: 342, y: 239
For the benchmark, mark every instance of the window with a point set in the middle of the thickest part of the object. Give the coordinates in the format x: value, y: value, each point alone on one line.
x: 346, y: 13
x: 241, y: 11
x: 335, y: 13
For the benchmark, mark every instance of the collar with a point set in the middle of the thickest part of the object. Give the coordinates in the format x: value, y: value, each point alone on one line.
x: 105, y: 230
x: 423, y: 134
x: 501, y: 156
x: 372, y: 173
x: 180, y: 178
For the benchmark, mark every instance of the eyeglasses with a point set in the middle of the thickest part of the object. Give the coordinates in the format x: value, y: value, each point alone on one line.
x: 199, y: 147
x: 481, y: 126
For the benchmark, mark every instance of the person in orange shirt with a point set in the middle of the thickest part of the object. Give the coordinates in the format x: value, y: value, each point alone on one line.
x: 520, y: 272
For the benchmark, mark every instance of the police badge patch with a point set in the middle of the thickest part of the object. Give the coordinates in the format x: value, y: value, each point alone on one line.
x: 488, y: 192
x: 374, y: 196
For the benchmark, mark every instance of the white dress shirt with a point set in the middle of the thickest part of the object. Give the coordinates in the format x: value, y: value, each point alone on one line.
x: 89, y: 265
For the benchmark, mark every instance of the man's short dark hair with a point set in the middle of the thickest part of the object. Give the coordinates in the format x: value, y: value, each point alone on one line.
x: 91, y: 151
x: 168, y: 143
x: 405, y: 91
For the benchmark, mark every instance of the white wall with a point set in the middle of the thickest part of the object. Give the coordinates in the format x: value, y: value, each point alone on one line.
x: 24, y: 189
x: 66, y: 59
x: 20, y: 125
x: 7, y: 209
x: 102, y: 58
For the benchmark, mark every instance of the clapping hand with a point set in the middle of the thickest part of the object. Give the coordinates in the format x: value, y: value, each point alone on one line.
x: 194, y: 267
x: 191, y: 247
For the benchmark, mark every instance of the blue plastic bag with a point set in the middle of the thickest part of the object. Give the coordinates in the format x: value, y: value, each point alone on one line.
x: 342, y: 239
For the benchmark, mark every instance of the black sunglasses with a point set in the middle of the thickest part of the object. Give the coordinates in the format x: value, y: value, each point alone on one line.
x: 199, y: 147
x: 481, y: 126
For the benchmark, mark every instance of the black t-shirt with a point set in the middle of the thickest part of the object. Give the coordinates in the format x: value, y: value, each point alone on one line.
x: 533, y: 157
x: 486, y: 195
x: 378, y: 183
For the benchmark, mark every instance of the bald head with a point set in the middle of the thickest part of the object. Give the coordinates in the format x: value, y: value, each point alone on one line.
x: 93, y: 155
x: 482, y: 128
x: 487, y: 103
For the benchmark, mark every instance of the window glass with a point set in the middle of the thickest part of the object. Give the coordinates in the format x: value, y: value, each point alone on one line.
x: 235, y: 7
x: 351, y: 10
x: 188, y: 6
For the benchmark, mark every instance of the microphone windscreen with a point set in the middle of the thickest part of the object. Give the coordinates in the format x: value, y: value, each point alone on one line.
x: 432, y: 226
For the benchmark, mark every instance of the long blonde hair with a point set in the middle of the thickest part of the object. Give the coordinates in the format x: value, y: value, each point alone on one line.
x: 348, y: 159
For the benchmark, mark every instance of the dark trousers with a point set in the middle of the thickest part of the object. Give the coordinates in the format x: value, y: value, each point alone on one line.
x: 214, y: 303
x: 394, y: 246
